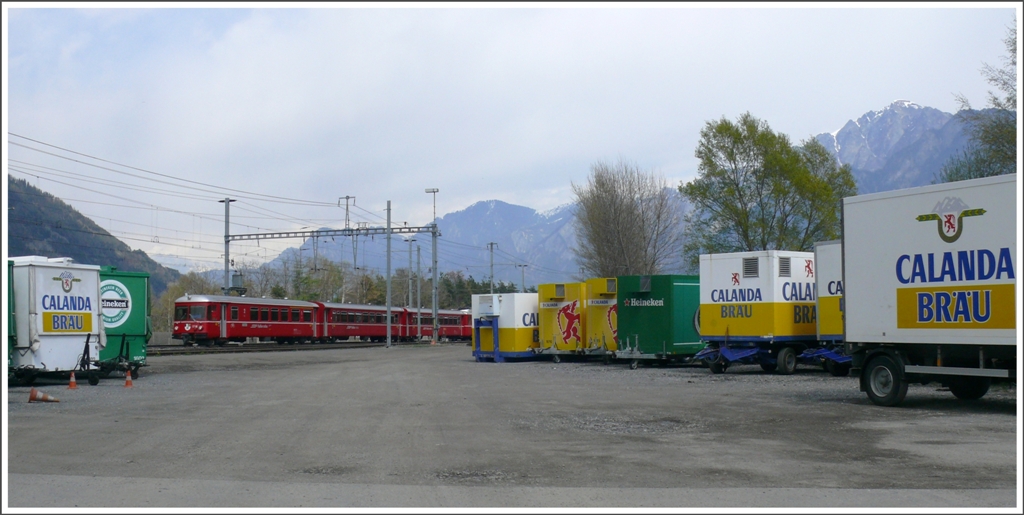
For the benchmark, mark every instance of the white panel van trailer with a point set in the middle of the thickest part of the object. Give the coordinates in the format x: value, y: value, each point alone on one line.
x: 930, y: 287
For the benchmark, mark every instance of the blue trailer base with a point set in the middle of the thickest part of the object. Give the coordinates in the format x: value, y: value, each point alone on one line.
x: 719, y: 355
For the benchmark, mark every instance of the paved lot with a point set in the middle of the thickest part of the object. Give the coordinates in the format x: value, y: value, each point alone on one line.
x: 426, y: 426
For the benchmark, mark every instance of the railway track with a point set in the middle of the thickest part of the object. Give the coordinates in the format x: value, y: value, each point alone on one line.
x: 177, y: 350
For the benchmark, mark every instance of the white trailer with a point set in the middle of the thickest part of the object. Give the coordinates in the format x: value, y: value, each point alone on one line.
x: 504, y: 326
x: 757, y: 307
x: 930, y: 287
x: 58, y: 322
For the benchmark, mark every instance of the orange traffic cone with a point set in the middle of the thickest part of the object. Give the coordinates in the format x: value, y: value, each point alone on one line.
x: 37, y: 396
x: 128, y: 379
x: 72, y: 385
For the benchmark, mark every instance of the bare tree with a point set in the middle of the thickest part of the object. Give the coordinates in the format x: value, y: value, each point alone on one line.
x: 626, y: 222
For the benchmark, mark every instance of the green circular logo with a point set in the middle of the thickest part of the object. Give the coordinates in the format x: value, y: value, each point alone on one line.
x: 116, y: 302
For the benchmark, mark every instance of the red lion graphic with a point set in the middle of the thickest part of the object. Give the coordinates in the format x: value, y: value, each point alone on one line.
x: 950, y: 223
x: 809, y: 267
x: 571, y: 329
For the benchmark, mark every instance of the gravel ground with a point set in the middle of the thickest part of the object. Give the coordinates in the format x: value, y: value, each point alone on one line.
x: 512, y: 434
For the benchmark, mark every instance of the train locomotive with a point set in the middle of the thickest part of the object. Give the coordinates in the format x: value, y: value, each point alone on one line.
x: 208, y: 320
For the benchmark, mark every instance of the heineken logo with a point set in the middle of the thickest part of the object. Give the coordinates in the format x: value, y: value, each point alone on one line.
x: 115, y: 302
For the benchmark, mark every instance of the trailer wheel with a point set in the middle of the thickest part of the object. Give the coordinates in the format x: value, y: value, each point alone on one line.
x: 885, y: 387
x: 969, y: 388
x: 634, y: 364
x: 769, y: 367
x: 135, y: 373
x: 718, y: 366
x: 556, y: 359
x: 94, y: 379
x: 786, y: 361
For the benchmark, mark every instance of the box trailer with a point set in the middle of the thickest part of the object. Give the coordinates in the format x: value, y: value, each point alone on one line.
x: 504, y: 326
x: 602, y: 312
x: 124, y: 299
x: 828, y: 280
x: 658, y: 318
x: 12, y: 334
x: 57, y: 318
x: 562, y: 319
x: 758, y: 307
x: 929, y: 278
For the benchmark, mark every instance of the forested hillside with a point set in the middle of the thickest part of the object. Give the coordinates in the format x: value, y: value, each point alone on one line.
x: 40, y: 224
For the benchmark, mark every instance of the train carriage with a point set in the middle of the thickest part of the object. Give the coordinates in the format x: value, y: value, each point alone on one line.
x: 218, y: 319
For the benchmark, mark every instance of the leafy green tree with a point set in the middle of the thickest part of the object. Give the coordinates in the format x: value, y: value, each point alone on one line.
x: 993, y: 132
x: 755, y: 191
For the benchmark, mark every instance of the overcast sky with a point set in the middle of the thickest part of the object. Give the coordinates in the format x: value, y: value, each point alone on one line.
x: 486, y: 103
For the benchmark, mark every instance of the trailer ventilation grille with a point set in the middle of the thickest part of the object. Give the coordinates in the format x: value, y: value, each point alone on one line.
x: 784, y: 267
x: 645, y: 283
x: 750, y: 267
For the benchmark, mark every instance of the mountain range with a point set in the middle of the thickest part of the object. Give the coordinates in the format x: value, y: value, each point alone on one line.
x: 899, y: 146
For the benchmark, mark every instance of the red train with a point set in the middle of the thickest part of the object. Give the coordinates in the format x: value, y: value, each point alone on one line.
x: 218, y: 319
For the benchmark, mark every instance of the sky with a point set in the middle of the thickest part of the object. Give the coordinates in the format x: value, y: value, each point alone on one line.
x: 287, y: 110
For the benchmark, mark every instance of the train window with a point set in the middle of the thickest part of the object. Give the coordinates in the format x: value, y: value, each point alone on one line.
x: 307, y: 315
x: 234, y: 312
x: 295, y: 315
x: 273, y: 314
x: 180, y: 313
x: 254, y: 313
x: 394, y: 319
x: 214, y: 313
x: 264, y: 314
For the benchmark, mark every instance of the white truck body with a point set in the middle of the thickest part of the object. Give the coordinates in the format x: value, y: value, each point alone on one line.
x: 58, y: 306
x: 932, y: 265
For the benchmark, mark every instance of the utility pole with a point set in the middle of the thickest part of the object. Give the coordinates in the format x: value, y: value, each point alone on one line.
x: 388, y: 293
x: 410, y: 240
x: 433, y: 243
x: 227, y: 241
x: 491, y: 246
x: 354, y: 241
x: 419, y: 298
x: 522, y: 270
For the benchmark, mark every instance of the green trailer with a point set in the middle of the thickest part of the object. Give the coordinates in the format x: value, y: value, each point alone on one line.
x: 124, y: 297
x: 658, y: 318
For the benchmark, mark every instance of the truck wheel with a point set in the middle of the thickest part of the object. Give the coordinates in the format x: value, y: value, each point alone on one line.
x: 786, y: 361
x: 769, y: 367
x: 94, y: 379
x: 970, y: 388
x: 885, y: 386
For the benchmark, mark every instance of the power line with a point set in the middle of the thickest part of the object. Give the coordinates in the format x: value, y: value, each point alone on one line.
x: 284, y: 199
